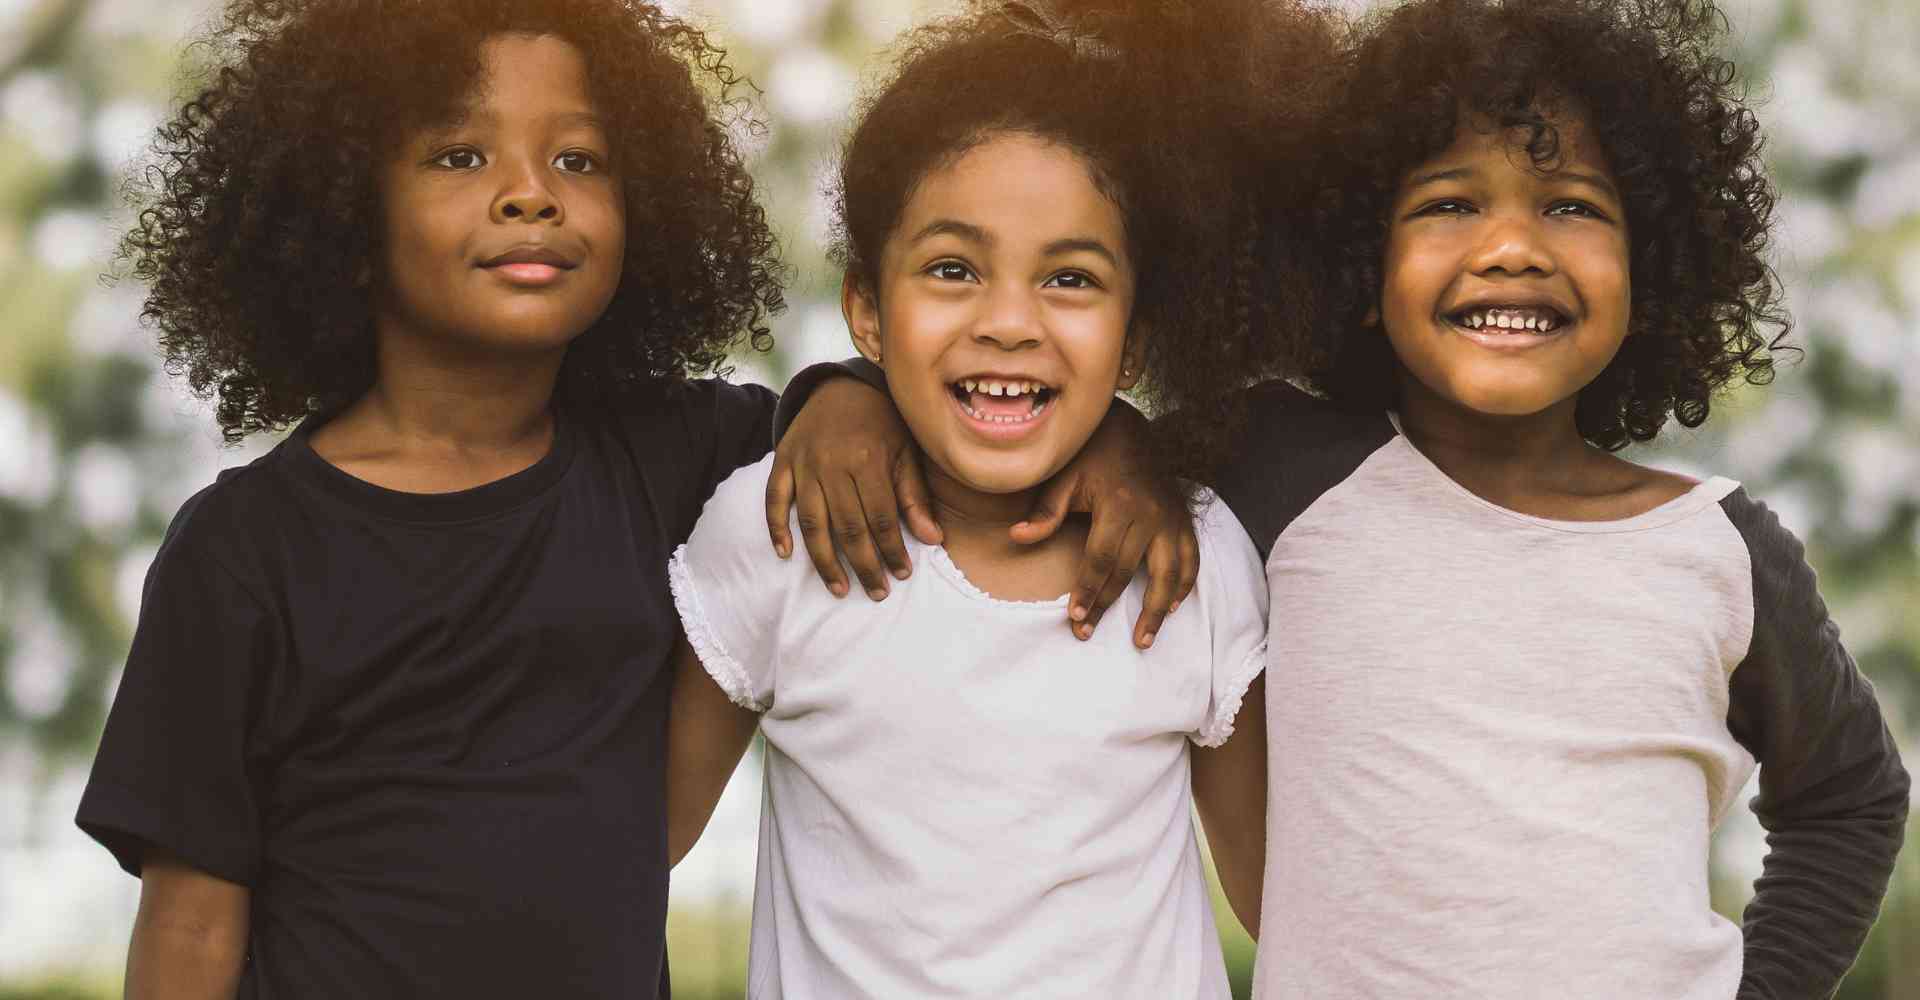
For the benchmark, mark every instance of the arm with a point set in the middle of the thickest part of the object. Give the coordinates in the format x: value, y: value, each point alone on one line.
x: 1833, y: 794
x: 190, y: 936
x: 1230, y: 790
x: 707, y: 734
x: 850, y: 465
x: 1132, y: 519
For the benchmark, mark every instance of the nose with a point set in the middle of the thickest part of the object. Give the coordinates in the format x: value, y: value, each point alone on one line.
x: 1011, y: 320
x: 527, y: 197
x: 1512, y: 245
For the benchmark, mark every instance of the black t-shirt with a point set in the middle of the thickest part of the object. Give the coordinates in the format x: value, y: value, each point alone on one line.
x: 427, y: 731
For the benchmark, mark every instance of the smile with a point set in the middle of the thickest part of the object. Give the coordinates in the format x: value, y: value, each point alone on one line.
x: 1002, y: 400
x: 1520, y: 319
x: 1003, y: 410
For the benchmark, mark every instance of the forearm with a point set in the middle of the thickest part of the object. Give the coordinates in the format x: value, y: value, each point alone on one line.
x: 1818, y: 895
x: 706, y: 737
x: 189, y: 936
x: 1230, y: 793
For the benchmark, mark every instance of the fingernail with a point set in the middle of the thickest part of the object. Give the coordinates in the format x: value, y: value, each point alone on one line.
x: 877, y: 593
x: 1171, y: 608
x: 1146, y: 642
x: 1078, y: 613
x: 902, y: 573
x: 783, y: 550
x: 1082, y: 631
x: 839, y: 589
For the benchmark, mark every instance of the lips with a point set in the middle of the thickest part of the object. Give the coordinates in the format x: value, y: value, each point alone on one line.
x: 529, y: 266
x: 542, y: 255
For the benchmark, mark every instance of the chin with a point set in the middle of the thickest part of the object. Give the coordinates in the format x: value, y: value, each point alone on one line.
x: 1000, y: 473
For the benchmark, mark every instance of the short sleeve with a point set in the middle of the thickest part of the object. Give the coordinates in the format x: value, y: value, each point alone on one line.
x: 728, y: 588
x: 173, y: 768
x: 1232, y: 594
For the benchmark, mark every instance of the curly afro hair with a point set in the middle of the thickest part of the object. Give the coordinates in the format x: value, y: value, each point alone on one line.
x: 1191, y: 119
x: 259, y: 216
x: 1671, y: 121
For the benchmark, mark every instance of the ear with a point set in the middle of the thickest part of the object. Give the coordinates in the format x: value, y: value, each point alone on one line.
x: 862, y: 312
x: 1133, y: 360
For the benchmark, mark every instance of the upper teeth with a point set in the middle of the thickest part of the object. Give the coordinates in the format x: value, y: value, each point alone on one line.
x: 1511, y: 319
x: 997, y: 387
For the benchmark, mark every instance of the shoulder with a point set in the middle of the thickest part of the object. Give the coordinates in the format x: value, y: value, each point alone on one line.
x: 1295, y: 447
x: 1785, y: 587
x: 230, y: 521
x: 670, y: 410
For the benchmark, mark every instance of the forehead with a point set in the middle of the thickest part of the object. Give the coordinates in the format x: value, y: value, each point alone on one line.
x: 522, y: 70
x: 1487, y: 145
x: 1015, y: 184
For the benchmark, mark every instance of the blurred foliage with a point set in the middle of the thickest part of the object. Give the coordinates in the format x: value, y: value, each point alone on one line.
x: 96, y: 450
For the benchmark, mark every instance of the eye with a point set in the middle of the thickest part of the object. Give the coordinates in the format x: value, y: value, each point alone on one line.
x: 1577, y: 209
x: 576, y: 161
x: 1071, y: 279
x: 950, y: 270
x: 460, y: 158
x: 1445, y: 206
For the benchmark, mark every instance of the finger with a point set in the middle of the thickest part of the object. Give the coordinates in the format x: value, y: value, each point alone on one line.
x: 1103, y: 549
x: 814, y: 533
x: 875, y: 487
x: 916, y: 506
x: 1163, y: 580
x: 779, y: 505
x: 1049, y: 510
x: 1133, y: 548
x: 849, y: 520
x: 1189, y: 548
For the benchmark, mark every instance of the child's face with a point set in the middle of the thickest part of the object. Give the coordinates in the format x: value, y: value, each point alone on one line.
x: 1506, y: 289
x: 1003, y: 299
x: 505, y: 231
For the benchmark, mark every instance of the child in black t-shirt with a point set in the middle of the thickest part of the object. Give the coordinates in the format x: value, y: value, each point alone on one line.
x: 392, y: 722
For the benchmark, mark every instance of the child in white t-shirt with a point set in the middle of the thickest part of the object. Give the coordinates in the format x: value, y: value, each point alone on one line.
x: 961, y: 798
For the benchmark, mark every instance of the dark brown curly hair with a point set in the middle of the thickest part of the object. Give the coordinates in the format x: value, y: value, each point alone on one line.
x: 1194, y: 119
x: 1672, y: 120
x: 259, y: 215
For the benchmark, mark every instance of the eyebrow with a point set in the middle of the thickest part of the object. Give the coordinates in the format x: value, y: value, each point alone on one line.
x: 953, y: 227
x: 977, y: 235
x: 1598, y: 182
x: 1075, y: 244
x: 465, y: 116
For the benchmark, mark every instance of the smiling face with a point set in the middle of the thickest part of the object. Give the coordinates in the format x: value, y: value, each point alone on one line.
x: 505, y: 231
x: 1001, y: 312
x: 1506, y: 287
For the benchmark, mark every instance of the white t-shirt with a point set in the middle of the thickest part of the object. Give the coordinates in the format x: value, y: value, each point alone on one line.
x: 962, y: 799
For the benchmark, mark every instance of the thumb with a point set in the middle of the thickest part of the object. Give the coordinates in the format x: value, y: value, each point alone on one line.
x: 1049, y: 510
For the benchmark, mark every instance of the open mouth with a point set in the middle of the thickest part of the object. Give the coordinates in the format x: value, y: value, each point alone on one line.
x: 1002, y: 400
x: 1518, y: 319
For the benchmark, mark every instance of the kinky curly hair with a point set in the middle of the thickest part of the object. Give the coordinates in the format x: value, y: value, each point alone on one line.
x: 1184, y: 117
x: 1672, y: 123
x: 259, y: 221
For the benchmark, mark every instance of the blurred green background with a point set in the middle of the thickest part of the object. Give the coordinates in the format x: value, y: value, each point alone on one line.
x: 97, y: 448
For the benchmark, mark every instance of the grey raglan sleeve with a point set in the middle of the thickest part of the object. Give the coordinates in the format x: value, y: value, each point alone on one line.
x: 1833, y: 795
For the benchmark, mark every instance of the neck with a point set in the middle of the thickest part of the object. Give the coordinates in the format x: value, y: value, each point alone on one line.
x: 428, y: 395
x: 1495, y: 456
x: 973, y: 512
